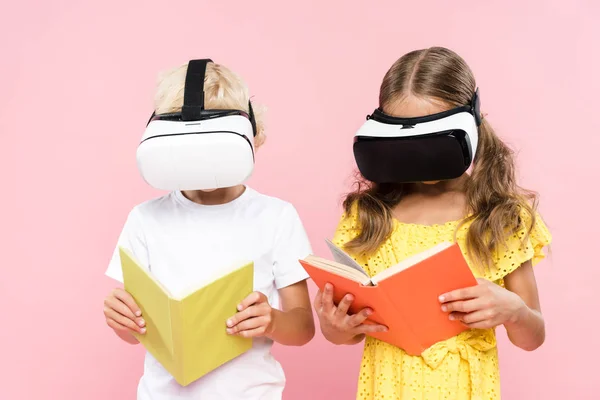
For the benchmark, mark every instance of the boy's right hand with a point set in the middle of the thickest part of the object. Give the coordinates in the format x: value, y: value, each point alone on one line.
x: 336, y: 324
x: 123, y: 315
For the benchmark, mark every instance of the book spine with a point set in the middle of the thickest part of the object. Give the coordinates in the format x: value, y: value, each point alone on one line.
x: 177, y: 330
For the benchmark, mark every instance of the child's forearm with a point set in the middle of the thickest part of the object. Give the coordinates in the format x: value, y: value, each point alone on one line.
x: 527, y: 330
x: 294, y: 327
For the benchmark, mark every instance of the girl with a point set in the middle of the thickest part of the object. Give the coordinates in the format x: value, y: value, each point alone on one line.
x: 494, y: 221
x: 185, y: 236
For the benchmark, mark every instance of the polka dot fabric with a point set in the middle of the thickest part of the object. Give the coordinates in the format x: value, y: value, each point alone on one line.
x: 461, y: 368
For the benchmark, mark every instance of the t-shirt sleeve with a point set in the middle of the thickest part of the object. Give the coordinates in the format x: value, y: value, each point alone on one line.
x: 132, y: 239
x: 291, y: 245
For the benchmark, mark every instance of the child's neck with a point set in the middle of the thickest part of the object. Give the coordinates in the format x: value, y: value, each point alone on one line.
x: 215, y: 197
x: 441, y: 187
x: 433, y: 204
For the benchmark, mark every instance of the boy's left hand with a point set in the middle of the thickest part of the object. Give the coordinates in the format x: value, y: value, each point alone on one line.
x: 484, y: 306
x: 255, y: 317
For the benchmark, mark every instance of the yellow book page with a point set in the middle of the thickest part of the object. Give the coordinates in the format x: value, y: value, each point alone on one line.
x: 204, y: 313
x: 154, y: 301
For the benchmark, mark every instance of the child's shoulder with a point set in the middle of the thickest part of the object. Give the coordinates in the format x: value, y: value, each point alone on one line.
x: 269, y: 204
x: 153, y: 206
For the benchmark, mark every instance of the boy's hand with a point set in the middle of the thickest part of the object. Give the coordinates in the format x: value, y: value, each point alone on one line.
x: 255, y: 317
x: 123, y: 315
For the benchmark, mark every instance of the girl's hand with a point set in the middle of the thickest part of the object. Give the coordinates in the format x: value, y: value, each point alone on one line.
x: 336, y: 324
x: 255, y: 317
x: 123, y: 315
x: 484, y: 306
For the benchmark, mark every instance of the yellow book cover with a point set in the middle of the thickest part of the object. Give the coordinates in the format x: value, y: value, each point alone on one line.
x: 187, y: 334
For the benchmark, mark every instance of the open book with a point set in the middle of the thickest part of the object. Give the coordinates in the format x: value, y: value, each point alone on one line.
x: 186, y: 334
x: 404, y: 297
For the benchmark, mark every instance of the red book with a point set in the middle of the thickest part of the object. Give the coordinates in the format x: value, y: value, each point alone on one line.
x: 404, y: 297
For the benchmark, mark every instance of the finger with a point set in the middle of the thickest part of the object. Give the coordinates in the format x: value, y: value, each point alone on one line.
x: 488, y: 324
x: 124, y: 321
x: 248, y: 324
x: 123, y: 328
x: 128, y: 300
x: 257, y: 332
x: 360, y: 317
x: 344, y: 306
x: 460, y: 294
x: 371, y: 328
x: 474, y: 317
x: 250, y: 312
x: 464, y: 306
x: 318, y: 303
x: 328, y: 306
x: 252, y: 298
x: 117, y: 305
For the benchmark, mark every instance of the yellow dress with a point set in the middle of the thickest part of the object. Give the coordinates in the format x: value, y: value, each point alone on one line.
x: 463, y: 367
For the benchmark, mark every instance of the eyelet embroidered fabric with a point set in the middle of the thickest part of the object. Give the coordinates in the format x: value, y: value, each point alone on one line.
x: 463, y: 367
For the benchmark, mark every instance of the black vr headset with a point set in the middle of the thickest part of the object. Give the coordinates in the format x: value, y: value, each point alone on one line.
x: 431, y: 148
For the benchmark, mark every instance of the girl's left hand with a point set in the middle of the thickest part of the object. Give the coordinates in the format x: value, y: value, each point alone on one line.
x: 484, y: 306
x: 255, y: 317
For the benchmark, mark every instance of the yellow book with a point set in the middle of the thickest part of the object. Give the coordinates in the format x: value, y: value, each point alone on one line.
x: 187, y: 334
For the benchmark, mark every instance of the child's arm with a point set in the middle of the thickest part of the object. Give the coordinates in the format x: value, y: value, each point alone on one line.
x: 292, y: 326
x: 488, y: 305
x: 526, y: 329
x: 121, y: 312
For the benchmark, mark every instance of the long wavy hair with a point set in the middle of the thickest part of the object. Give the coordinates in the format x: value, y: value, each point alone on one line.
x: 494, y: 199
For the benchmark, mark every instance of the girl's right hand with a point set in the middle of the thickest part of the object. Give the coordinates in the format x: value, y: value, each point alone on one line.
x: 336, y: 324
x: 123, y: 315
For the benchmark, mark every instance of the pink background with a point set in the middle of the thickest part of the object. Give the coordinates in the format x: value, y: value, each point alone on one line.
x: 76, y: 85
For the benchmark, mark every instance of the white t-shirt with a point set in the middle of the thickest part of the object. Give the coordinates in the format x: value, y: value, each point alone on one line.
x: 183, y: 243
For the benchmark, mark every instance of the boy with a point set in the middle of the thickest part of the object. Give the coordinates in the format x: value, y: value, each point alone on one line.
x: 185, y: 236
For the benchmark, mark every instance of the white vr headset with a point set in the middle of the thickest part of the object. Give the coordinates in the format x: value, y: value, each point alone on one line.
x: 197, y: 149
x: 432, y: 148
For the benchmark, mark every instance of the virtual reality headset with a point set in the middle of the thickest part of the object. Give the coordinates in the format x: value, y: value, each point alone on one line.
x: 197, y: 149
x: 406, y: 150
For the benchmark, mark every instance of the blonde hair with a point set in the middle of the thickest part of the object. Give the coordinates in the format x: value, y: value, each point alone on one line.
x: 223, y: 90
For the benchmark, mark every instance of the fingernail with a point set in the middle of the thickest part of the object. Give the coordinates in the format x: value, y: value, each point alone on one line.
x: 444, y: 308
x: 138, y: 313
x: 368, y: 312
x: 385, y: 329
x: 229, y: 322
x: 239, y: 307
x: 229, y: 331
x: 441, y: 298
x: 143, y: 330
x: 349, y: 297
x: 142, y: 322
x: 327, y: 286
x: 452, y: 317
